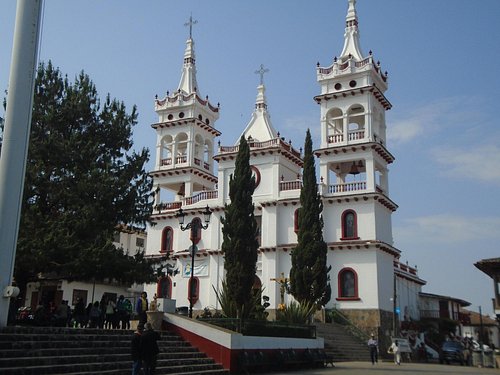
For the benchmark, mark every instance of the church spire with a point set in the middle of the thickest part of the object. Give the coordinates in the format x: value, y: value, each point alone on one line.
x: 188, y: 82
x: 351, y: 35
x: 261, y: 98
x: 260, y: 128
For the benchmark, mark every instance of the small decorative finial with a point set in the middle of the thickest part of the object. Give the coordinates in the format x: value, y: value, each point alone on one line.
x: 261, y: 71
x: 190, y: 23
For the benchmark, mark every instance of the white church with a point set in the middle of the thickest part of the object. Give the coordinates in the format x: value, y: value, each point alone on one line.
x: 353, y: 158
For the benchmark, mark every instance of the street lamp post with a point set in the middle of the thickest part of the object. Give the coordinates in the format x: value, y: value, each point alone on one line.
x: 195, y: 226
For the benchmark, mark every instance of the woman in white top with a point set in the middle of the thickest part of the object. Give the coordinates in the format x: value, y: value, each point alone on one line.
x: 394, y: 348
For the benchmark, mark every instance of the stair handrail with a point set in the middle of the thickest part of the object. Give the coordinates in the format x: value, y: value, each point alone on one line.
x: 349, y: 325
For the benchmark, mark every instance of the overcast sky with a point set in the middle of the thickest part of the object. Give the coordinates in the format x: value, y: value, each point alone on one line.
x: 441, y: 55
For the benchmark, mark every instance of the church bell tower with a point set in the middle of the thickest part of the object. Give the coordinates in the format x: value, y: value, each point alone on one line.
x: 185, y: 134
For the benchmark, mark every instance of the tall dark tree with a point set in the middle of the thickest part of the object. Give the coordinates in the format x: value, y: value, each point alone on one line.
x: 309, y: 280
x: 82, y: 180
x: 240, y: 232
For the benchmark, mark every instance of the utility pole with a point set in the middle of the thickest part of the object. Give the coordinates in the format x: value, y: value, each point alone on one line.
x: 481, y: 336
x: 15, y: 141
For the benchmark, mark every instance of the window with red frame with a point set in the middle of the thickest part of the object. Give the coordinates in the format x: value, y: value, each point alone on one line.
x: 349, y: 225
x: 193, y: 290
x: 348, y: 284
x: 164, y: 287
x: 167, y: 239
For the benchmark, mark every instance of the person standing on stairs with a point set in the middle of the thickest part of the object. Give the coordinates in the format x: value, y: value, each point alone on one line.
x: 373, y: 345
x: 136, y: 352
x: 141, y: 308
x: 149, y: 349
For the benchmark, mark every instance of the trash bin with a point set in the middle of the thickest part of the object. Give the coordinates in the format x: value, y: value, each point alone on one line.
x: 484, y: 359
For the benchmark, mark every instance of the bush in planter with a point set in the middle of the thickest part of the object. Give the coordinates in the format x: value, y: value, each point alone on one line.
x: 296, y: 313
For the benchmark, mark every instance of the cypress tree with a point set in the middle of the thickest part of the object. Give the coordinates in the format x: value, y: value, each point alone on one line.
x: 240, y: 232
x: 309, y: 280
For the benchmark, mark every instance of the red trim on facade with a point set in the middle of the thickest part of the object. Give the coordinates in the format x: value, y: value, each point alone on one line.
x: 355, y: 297
x: 158, y: 287
x: 344, y: 225
x: 226, y: 357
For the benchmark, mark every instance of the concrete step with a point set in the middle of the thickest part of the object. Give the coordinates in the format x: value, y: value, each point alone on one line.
x: 341, y: 344
x: 55, y: 350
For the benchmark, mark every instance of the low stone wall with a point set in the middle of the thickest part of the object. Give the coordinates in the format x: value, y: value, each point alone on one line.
x: 378, y: 322
x: 224, y: 346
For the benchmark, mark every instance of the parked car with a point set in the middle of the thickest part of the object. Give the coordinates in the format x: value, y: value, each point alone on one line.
x: 452, y: 351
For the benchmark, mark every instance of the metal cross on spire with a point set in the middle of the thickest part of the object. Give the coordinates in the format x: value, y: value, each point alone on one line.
x: 190, y: 23
x: 261, y: 71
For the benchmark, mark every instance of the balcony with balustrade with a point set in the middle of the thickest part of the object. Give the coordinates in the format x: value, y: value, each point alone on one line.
x: 182, y: 161
x: 201, y: 198
x: 353, y: 136
x: 275, y: 145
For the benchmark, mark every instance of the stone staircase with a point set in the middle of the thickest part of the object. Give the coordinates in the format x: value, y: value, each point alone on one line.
x: 341, y: 344
x: 72, y: 351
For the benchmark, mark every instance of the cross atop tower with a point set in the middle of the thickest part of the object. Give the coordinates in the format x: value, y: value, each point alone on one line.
x: 190, y: 23
x: 261, y: 71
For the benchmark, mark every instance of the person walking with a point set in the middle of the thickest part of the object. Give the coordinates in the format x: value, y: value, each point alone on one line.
x: 373, y: 345
x: 136, y: 352
x: 149, y: 349
x: 394, y: 349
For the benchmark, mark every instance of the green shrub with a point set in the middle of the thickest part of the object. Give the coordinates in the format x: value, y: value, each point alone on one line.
x: 296, y: 313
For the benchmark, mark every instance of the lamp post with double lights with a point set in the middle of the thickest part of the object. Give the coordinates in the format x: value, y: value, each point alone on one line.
x: 195, y: 226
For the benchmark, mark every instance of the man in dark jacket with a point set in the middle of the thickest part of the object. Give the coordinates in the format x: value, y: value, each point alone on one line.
x: 141, y: 307
x: 136, y: 351
x: 149, y: 349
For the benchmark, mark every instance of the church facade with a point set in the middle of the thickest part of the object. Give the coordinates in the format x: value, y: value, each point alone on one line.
x: 368, y: 281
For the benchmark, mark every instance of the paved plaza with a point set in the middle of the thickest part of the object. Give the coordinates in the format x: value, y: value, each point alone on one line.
x: 362, y: 368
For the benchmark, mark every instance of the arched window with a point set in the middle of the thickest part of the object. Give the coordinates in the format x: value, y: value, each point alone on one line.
x: 193, y: 290
x: 167, y: 239
x: 348, y: 284
x: 335, y: 126
x: 296, y: 221
x: 164, y: 287
x: 349, y: 225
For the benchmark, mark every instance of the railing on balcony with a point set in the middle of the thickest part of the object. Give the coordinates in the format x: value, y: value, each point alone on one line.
x: 211, y: 194
x: 353, y: 135
x: 199, y: 162
x: 259, y: 145
x: 167, y: 161
x: 335, y: 138
x: 356, y: 135
x: 290, y: 185
x: 347, y: 187
x: 181, y: 159
x: 438, y: 314
x: 168, y: 206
